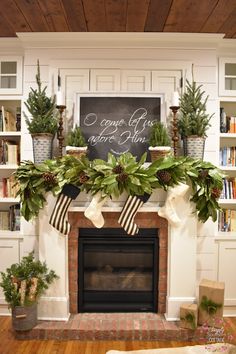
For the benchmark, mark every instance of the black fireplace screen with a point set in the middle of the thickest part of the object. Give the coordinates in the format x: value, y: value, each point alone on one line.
x: 118, y: 272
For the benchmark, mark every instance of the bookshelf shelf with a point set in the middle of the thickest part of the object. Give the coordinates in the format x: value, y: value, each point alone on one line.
x: 12, y: 234
x: 10, y: 134
x: 226, y: 236
x: 227, y: 201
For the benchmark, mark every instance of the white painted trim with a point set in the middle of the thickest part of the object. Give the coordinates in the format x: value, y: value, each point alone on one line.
x: 54, y: 318
x: 173, y: 306
x: 118, y: 40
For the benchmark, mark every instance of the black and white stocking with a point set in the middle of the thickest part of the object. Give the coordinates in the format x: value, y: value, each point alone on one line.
x: 58, y: 217
x: 130, y: 209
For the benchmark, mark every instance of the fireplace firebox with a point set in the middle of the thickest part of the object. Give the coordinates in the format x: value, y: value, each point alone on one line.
x: 118, y: 273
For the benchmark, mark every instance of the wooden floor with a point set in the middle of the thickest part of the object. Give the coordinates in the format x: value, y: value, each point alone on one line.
x: 9, y: 345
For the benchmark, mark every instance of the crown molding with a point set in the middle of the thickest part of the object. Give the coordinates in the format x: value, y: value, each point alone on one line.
x: 118, y: 40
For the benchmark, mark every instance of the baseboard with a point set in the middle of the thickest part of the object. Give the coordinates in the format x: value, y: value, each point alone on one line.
x: 173, y: 306
x: 53, y: 308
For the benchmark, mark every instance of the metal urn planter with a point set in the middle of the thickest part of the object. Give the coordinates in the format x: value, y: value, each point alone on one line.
x: 195, y: 146
x: 24, y: 318
x: 42, y: 147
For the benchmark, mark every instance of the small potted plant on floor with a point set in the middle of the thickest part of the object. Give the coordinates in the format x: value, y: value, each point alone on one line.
x: 159, y: 141
x: 193, y: 120
x: 42, y: 122
x: 23, y: 283
x: 75, y: 143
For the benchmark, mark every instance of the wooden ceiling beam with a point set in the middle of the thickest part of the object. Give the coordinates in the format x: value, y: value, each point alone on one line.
x: 158, y: 12
x: 33, y: 15
x: 116, y: 12
x: 13, y: 15
x: 74, y: 11
x: 95, y: 14
x: 54, y: 14
x: 137, y: 11
x: 188, y: 16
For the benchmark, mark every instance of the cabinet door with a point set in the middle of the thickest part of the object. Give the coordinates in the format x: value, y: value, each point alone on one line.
x: 135, y: 80
x: 166, y: 81
x: 105, y: 80
x: 10, y: 75
x: 72, y: 81
x: 227, y: 77
x: 227, y: 264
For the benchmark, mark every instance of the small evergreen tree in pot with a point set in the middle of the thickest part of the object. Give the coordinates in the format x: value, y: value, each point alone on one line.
x: 23, y: 283
x: 42, y: 121
x: 159, y: 141
x: 193, y: 120
x: 75, y: 142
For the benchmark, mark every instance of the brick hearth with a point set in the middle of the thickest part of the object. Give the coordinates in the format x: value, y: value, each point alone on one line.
x: 110, y: 326
x: 144, y: 220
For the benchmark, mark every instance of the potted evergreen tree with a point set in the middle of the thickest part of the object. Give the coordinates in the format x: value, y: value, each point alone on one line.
x: 23, y: 283
x: 193, y: 120
x: 42, y: 124
x: 76, y: 143
x: 159, y: 141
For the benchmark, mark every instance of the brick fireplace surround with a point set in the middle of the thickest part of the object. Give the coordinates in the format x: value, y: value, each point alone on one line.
x: 143, y: 220
x: 112, y: 326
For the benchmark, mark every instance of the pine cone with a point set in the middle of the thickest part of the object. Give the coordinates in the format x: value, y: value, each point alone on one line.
x: 118, y: 169
x: 215, y: 193
x: 203, y: 174
x: 49, y: 178
x: 164, y: 176
x: 83, y: 178
x: 122, y: 177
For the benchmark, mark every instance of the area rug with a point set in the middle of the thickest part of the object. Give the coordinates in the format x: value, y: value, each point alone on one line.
x: 216, y: 348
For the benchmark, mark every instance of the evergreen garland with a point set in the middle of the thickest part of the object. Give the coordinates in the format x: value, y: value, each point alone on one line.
x: 41, y: 109
x: 190, y: 318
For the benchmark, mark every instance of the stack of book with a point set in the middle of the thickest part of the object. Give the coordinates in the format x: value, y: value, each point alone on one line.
x: 10, y: 122
x: 227, y: 220
x: 9, y: 152
x: 8, y: 187
x: 10, y: 219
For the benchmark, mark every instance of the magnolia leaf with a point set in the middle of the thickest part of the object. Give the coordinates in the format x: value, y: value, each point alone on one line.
x: 109, y: 180
x: 135, y: 180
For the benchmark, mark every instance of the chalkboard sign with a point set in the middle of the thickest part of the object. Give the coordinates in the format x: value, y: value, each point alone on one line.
x: 117, y: 124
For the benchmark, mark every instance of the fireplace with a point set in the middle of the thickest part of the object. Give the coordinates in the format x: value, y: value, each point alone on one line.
x: 118, y: 273
x: 145, y: 220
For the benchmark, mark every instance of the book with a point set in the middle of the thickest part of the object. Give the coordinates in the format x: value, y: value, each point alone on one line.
x: 4, y: 220
x: 9, y: 121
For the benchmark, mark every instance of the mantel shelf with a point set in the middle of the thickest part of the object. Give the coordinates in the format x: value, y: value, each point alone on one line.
x: 150, y: 207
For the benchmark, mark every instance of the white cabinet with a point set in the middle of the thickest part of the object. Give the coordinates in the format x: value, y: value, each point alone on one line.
x: 227, y: 76
x: 226, y: 273
x: 10, y: 75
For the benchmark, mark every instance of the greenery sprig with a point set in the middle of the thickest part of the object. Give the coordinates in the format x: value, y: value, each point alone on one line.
x: 209, y: 306
x: 26, y: 270
x: 190, y: 319
x: 118, y: 175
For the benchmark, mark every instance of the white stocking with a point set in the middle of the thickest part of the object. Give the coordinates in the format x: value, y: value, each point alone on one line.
x: 94, y: 210
x: 168, y: 211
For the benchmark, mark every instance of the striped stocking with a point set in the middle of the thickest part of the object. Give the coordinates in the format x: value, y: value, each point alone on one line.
x: 58, y: 216
x: 130, y: 209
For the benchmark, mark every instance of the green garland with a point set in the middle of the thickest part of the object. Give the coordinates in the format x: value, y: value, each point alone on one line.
x: 118, y: 175
x: 190, y: 319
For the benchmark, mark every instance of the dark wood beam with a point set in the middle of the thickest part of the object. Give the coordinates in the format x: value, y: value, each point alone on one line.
x: 33, y: 15
x: 95, y: 15
x: 54, y: 14
x: 229, y: 26
x: 158, y: 12
x: 116, y: 15
x: 136, y: 15
x: 189, y: 16
x: 14, y: 16
x: 74, y: 11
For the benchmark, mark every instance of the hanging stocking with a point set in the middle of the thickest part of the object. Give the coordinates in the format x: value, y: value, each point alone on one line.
x: 168, y: 211
x: 94, y: 210
x: 58, y: 217
x: 130, y: 209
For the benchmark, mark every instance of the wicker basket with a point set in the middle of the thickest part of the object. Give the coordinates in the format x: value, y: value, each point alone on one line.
x: 159, y: 153
x: 78, y: 153
x: 24, y: 318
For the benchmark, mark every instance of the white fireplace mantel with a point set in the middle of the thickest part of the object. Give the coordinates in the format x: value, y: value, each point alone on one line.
x: 182, y: 240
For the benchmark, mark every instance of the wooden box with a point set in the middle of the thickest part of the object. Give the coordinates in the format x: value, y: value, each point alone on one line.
x: 211, y: 302
x: 188, y: 316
